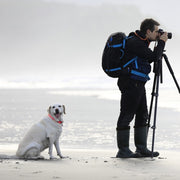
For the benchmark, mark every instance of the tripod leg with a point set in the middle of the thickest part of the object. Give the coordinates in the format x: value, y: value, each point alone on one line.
x: 171, y: 71
x: 155, y: 111
x: 152, y: 99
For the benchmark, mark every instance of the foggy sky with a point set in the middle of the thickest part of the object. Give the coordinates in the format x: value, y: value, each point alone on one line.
x: 40, y: 39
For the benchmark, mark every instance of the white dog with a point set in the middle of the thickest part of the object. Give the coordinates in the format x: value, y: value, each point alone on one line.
x: 43, y: 135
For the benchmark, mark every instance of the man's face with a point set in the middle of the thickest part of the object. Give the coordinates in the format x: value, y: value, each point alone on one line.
x: 153, y: 35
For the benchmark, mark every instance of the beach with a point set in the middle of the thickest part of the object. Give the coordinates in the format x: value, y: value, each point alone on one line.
x: 93, y: 164
x: 88, y: 138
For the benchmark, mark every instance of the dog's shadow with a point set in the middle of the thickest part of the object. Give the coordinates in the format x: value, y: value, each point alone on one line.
x: 41, y: 158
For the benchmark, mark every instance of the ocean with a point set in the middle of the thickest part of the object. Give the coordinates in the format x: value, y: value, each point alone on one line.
x: 91, y: 116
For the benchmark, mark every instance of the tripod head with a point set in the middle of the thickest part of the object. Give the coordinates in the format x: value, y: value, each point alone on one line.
x: 157, y: 69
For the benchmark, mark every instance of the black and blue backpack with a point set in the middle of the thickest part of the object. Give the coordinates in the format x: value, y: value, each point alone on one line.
x: 113, y: 61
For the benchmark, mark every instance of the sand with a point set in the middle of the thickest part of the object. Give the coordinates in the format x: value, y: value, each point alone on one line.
x: 92, y: 165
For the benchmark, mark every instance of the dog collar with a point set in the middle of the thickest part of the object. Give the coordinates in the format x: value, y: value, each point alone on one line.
x: 59, y: 122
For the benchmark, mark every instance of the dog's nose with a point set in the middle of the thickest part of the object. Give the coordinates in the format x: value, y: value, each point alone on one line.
x: 57, y: 111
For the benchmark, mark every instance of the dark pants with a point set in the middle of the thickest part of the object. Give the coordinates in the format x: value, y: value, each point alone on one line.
x: 133, y: 103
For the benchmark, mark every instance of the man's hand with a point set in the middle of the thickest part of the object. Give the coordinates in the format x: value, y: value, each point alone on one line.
x: 164, y: 36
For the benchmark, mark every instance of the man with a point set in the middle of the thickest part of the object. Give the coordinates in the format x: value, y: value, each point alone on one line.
x: 132, y: 87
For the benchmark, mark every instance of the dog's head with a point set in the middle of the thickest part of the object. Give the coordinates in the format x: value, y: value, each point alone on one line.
x: 57, y: 111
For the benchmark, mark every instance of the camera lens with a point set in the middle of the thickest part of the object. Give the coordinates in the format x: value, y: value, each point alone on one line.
x: 169, y: 35
x: 162, y: 32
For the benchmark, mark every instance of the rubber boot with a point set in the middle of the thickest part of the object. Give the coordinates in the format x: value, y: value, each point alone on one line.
x: 123, y: 144
x: 140, y: 137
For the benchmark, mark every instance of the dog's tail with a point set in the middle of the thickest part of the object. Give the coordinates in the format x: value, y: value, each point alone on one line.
x: 4, y: 156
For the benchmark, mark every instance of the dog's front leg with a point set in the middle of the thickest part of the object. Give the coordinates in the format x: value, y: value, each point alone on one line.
x: 58, y: 148
x: 51, y: 149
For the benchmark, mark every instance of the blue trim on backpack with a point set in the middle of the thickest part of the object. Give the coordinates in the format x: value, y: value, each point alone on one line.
x: 132, y: 72
x: 124, y: 42
x: 119, y: 68
x: 115, y: 69
x: 119, y: 45
x: 115, y: 46
x: 137, y: 73
x: 129, y: 62
x: 136, y: 64
x: 122, y: 53
x: 140, y: 74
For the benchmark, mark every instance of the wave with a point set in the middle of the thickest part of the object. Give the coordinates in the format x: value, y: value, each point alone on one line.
x: 101, y: 87
x: 68, y: 82
x: 168, y: 97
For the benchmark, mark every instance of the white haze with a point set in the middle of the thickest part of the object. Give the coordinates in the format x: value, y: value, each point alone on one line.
x: 44, y: 42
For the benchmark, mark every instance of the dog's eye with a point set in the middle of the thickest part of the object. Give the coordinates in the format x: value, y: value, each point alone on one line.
x: 59, y: 106
x: 53, y: 107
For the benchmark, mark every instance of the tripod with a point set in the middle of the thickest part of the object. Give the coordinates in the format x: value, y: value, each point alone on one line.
x: 155, y: 91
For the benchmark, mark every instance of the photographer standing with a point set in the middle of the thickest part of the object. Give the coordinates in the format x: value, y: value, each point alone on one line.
x: 132, y: 87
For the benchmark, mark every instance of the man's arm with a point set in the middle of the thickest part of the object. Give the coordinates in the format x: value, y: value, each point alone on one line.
x: 140, y: 49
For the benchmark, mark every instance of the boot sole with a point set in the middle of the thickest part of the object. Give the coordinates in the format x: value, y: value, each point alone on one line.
x: 134, y: 155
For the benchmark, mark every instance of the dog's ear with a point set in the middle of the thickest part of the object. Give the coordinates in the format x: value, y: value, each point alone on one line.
x: 64, y: 109
x: 49, y: 110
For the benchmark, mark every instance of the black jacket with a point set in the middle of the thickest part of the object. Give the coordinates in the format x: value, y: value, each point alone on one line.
x: 138, y: 46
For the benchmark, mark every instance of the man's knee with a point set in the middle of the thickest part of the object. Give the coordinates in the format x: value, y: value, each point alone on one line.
x: 141, y: 121
x: 124, y: 121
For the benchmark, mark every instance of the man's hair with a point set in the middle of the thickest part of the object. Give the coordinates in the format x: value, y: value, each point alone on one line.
x: 148, y: 24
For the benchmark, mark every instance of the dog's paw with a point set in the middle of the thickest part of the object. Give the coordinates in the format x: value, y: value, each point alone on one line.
x: 63, y: 157
x: 52, y: 158
x: 40, y: 157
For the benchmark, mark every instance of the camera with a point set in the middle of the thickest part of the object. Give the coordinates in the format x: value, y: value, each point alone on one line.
x: 160, y: 31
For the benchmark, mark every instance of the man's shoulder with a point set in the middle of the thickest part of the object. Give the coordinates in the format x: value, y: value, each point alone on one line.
x: 136, y: 36
x: 133, y: 40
